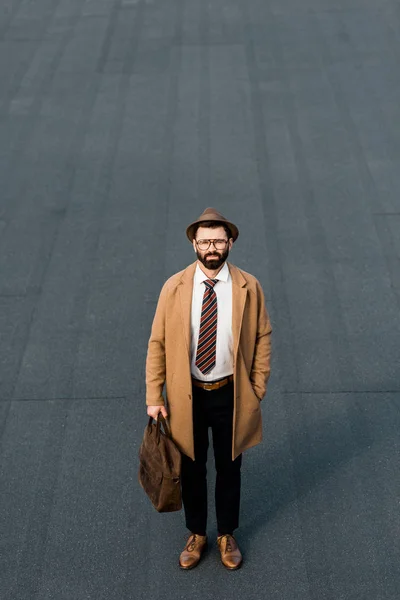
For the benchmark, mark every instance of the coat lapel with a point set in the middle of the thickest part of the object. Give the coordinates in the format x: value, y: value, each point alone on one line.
x: 239, y: 295
x: 185, y: 296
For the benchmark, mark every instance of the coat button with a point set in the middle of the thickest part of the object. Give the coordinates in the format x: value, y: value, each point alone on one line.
x: 190, y: 397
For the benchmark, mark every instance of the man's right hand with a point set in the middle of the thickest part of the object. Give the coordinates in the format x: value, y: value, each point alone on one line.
x: 153, y: 411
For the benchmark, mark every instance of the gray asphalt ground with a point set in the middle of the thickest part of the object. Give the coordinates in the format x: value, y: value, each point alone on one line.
x: 120, y: 121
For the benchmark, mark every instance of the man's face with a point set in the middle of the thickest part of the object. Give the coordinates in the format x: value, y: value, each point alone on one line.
x: 212, y: 258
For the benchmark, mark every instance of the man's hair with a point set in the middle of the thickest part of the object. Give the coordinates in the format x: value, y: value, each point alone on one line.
x: 213, y: 225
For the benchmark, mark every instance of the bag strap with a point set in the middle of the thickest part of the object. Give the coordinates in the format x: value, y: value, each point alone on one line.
x: 160, y: 421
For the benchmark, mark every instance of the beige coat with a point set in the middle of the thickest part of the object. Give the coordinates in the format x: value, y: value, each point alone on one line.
x: 168, y: 357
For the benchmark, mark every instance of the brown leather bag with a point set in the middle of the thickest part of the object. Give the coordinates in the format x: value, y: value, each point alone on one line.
x: 160, y: 467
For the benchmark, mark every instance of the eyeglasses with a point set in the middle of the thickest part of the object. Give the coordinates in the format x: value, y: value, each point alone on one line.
x: 205, y: 244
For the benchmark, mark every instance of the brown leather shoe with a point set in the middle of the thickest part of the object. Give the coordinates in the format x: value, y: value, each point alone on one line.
x: 191, y: 555
x: 230, y: 554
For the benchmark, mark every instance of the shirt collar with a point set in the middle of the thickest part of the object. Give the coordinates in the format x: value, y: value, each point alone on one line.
x: 223, y: 275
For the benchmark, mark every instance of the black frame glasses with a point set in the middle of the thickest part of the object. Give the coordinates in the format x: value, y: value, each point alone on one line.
x: 221, y: 242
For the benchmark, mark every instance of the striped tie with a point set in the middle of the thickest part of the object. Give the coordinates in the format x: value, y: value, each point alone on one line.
x: 206, y: 347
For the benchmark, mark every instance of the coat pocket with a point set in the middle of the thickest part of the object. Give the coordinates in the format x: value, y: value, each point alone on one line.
x: 255, y: 401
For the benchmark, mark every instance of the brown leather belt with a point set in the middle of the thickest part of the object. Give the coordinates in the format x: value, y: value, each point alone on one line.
x: 212, y: 385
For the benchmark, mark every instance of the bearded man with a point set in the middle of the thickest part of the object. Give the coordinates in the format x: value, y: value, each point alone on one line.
x: 210, y: 344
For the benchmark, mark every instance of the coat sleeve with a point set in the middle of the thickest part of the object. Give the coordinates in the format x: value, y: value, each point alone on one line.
x: 261, y: 367
x: 155, y: 360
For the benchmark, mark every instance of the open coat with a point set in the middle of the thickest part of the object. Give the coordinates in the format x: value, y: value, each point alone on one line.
x: 168, y: 357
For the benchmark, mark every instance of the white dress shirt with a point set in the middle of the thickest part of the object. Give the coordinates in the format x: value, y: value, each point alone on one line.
x: 224, y: 351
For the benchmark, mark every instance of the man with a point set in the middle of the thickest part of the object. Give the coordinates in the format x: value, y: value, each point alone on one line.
x: 210, y: 344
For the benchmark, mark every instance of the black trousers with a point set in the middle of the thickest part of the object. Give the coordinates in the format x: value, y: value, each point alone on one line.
x: 212, y: 409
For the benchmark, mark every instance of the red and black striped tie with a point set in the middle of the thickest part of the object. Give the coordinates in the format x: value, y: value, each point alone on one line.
x: 206, y: 347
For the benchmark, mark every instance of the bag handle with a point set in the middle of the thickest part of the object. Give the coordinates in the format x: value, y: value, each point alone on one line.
x: 160, y: 421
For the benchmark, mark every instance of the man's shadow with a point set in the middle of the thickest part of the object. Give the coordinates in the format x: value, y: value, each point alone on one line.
x: 311, y: 452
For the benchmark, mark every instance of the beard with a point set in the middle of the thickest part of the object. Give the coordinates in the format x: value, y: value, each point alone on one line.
x: 212, y: 264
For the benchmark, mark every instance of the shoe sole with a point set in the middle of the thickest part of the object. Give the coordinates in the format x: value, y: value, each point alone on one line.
x: 188, y: 568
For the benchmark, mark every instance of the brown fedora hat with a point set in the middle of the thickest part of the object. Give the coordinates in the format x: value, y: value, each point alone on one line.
x: 211, y: 214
